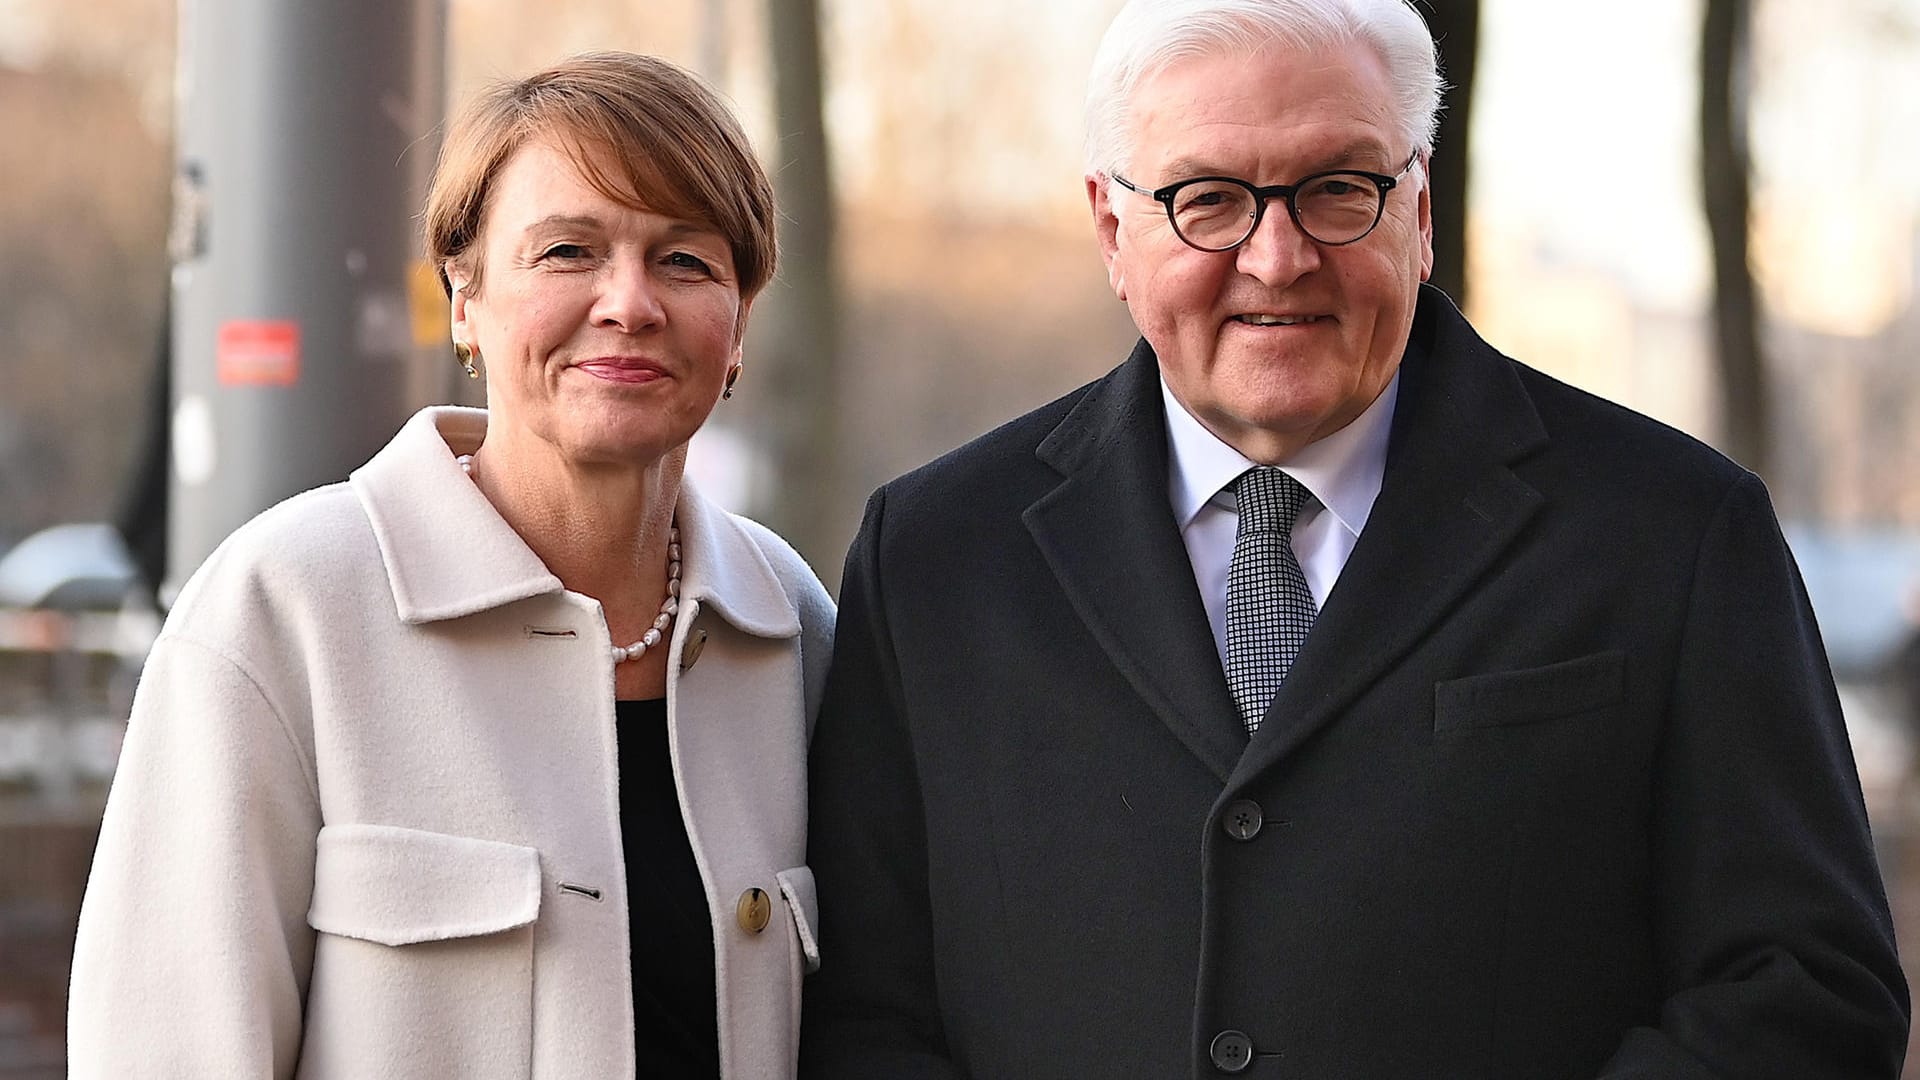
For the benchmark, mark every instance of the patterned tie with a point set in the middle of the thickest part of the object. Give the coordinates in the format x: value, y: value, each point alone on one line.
x: 1269, y: 608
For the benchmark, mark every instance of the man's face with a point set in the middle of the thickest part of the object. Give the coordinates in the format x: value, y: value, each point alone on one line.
x: 1269, y: 118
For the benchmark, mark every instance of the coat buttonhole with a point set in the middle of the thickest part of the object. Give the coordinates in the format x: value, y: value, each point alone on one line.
x: 587, y: 891
x: 550, y: 632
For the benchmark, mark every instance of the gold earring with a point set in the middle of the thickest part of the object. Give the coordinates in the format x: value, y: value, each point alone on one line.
x: 463, y: 352
x: 733, y: 376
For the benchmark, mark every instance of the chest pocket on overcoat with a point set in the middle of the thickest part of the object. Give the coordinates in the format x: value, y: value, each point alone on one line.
x: 423, y: 964
x: 1507, y: 698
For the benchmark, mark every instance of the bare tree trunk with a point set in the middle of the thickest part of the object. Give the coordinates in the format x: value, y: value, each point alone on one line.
x: 793, y: 367
x: 1725, y: 182
x: 1455, y: 25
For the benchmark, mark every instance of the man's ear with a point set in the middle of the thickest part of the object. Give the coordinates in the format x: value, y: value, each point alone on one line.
x: 1106, y: 227
x: 1424, y: 205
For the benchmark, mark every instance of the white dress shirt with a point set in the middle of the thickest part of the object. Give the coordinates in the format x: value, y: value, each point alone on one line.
x: 1342, y: 472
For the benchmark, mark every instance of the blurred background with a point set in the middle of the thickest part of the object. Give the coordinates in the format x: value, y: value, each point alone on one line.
x: 1704, y: 209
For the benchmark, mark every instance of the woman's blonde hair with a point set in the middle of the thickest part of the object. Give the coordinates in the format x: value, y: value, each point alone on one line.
x: 644, y: 132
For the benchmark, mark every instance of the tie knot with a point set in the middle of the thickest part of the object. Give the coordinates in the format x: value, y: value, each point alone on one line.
x: 1269, y: 499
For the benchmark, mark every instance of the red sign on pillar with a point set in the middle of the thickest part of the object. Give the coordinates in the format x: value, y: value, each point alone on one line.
x: 255, y: 352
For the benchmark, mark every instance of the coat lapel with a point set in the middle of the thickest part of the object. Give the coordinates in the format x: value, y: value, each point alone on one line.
x: 1449, y: 505
x: 1108, y: 534
x: 448, y: 553
x: 727, y: 571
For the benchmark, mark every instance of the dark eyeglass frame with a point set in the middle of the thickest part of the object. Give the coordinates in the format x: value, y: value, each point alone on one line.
x: 1261, y: 195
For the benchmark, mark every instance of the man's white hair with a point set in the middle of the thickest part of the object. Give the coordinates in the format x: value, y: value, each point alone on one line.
x: 1151, y: 35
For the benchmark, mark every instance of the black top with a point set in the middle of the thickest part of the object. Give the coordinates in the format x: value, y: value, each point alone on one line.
x: 674, y: 1031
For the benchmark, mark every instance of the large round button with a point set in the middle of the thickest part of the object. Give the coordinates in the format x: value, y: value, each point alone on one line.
x: 1242, y: 819
x: 1231, y: 1051
x: 754, y: 910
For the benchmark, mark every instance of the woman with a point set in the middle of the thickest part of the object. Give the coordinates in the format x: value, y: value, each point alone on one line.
x: 490, y: 761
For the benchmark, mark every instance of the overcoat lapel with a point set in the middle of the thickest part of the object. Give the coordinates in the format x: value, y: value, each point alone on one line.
x: 1449, y: 504
x: 1108, y: 534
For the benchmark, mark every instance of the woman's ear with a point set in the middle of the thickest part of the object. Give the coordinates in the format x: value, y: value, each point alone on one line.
x: 740, y: 327
x: 458, y: 283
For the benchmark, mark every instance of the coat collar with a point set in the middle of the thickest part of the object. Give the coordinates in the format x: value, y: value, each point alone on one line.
x: 1449, y: 504
x: 448, y: 553
x: 1107, y: 532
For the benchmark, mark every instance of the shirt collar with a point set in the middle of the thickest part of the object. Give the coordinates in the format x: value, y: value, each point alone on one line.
x: 1343, y: 470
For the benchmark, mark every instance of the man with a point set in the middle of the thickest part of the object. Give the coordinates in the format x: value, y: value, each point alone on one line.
x: 1322, y: 694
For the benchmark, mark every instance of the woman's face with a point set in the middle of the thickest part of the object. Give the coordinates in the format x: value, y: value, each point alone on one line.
x: 606, y: 331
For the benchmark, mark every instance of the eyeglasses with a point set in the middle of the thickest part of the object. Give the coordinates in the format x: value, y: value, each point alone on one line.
x: 1219, y: 213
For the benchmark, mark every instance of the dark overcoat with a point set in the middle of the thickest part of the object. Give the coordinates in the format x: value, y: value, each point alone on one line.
x: 1557, y: 788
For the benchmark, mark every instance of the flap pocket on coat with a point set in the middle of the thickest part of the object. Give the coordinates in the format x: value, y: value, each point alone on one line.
x: 797, y: 886
x: 396, y: 886
x: 1568, y: 688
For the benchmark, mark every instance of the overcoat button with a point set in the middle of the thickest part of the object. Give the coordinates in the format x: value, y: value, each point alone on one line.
x: 690, y: 652
x: 754, y: 910
x: 1231, y: 1052
x: 1242, y: 819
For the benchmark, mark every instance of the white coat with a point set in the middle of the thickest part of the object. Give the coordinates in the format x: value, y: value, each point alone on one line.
x: 366, y: 821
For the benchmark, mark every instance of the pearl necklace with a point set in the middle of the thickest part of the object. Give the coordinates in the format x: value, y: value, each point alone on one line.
x: 668, y: 608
